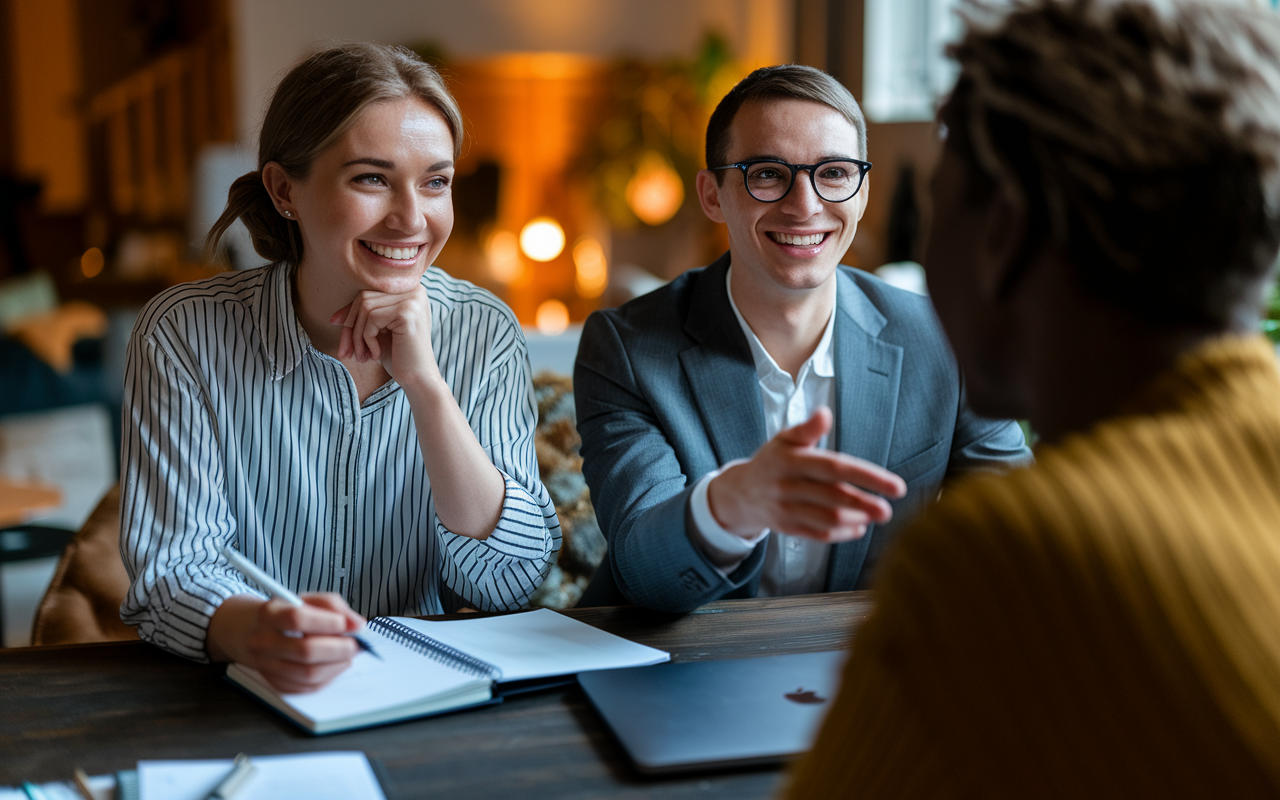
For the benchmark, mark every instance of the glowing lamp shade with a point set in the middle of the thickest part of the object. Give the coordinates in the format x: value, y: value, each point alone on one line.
x: 542, y: 239
x: 553, y: 317
x: 591, y: 268
x: 92, y: 262
x: 655, y: 193
x: 503, y: 253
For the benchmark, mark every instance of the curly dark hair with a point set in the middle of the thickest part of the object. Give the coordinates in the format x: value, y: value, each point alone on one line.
x: 1143, y: 141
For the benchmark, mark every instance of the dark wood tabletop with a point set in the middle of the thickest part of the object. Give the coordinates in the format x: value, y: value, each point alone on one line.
x: 102, y: 707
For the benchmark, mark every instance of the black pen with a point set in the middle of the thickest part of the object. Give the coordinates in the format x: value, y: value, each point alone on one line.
x: 276, y: 589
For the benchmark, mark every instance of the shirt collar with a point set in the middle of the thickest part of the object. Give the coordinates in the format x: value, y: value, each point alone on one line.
x: 283, y: 341
x: 821, y: 362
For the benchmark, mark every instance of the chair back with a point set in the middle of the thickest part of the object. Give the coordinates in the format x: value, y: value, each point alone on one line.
x: 82, y: 603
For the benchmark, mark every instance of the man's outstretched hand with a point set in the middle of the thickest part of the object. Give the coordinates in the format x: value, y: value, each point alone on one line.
x: 793, y: 487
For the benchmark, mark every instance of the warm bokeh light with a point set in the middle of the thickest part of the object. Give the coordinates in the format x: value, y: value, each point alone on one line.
x: 655, y: 192
x: 542, y: 239
x: 503, y: 252
x: 92, y: 262
x: 553, y: 317
x: 592, y: 269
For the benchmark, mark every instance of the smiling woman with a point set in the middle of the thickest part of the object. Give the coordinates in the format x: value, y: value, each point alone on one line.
x: 353, y: 420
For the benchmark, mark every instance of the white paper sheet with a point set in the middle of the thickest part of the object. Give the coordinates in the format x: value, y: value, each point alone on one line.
x: 309, y: 776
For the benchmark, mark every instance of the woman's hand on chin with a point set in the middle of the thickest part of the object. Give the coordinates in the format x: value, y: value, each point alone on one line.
x: 392, y: 329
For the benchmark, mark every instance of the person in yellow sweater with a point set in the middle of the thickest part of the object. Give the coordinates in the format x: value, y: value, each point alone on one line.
x: 1107, y: 622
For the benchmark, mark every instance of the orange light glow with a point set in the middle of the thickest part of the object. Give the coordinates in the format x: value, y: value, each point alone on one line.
x: 542, y: 239
x: 592, y: 269
x: 92, y: 262
x: 503, y: 252
x: 655, y: 192
x: 553, y: 317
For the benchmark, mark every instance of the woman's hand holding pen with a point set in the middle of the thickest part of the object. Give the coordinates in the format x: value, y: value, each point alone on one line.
x: 296, y: 648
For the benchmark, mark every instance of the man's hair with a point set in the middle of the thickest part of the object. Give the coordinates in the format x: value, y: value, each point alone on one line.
x: 783, y: 82
x: 1143, y: 142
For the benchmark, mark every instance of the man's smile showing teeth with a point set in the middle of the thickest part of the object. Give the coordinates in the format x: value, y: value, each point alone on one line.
x: 397, y: 253
x: 797, y: 239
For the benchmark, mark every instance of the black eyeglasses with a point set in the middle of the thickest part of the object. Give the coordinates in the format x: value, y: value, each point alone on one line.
x: 769, y: 181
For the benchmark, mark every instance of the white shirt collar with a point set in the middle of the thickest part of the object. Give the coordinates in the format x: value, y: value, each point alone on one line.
x: 821, y: 362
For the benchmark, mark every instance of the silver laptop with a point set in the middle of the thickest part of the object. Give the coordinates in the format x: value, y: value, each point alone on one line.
x: 716, y: 714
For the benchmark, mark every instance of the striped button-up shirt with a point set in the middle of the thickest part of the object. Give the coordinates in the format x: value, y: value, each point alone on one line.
x: 237, y: 431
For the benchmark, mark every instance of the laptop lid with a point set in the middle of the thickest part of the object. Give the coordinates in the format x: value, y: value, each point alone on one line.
x: 716, y: 714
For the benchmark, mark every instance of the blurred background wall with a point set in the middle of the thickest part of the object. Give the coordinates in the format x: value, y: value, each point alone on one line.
x: 122, y: 122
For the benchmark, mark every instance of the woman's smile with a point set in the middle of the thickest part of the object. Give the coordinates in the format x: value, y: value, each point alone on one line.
x: 402, y: 253
x: 377, y: 207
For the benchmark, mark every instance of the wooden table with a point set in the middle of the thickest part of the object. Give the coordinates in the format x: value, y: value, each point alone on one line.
x: 104, y: 706
x: 19, y: 501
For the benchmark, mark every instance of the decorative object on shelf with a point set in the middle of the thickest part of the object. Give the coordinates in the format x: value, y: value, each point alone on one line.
x: 642, y: 160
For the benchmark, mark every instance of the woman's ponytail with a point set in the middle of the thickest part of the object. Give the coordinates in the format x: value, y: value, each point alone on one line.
x: 274, y: 237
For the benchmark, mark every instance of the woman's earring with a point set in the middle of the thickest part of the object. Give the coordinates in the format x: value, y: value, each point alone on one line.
x: 287, y: 214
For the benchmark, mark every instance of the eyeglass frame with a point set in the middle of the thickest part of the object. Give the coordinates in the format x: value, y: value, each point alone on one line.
x: 863, y: 168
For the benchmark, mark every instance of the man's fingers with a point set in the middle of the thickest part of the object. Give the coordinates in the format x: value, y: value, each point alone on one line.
x: 809, y: 432
x: 831, y: 536
x: 833, y: 467
x: 869, y: 507
x: 821, y: 522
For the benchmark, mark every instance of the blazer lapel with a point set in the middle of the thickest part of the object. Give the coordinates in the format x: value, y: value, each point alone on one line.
x: 720, y: 370
x: 868, y: 374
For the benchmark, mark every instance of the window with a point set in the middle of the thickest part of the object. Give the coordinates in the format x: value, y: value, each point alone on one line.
x: 904, y: 70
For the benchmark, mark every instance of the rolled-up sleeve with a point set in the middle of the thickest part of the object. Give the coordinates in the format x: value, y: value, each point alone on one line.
x: 499, y: 573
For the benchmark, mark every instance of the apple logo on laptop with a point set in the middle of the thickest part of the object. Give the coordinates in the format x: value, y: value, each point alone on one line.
x: 806, y: 697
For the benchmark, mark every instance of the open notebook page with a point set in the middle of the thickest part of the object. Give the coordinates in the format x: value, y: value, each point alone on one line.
x: 400, y: 678
x: 538, y: 644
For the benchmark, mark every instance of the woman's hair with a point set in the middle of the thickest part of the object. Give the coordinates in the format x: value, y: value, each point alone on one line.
x: 314, y: 105
x: 1142, y: 141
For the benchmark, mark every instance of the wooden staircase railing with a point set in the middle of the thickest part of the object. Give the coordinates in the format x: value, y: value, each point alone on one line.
x: 150, y: 126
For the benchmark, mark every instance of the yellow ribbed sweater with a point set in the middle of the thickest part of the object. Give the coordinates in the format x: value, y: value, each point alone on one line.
x: 1103, y: 624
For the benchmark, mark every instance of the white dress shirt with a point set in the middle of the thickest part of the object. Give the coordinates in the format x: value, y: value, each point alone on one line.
x: 792, y: 564
x: 237, y: 431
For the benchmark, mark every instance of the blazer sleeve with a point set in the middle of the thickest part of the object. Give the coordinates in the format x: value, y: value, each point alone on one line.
x: 638, y: 485
x: 985, y: 445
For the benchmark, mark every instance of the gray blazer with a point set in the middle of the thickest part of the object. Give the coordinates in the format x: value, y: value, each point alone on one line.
x: 666, y: 392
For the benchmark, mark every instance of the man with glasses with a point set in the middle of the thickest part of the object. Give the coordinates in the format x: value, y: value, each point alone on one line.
x: 763, y: 425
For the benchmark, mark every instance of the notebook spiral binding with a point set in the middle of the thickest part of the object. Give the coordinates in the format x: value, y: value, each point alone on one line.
x: 435, y: 650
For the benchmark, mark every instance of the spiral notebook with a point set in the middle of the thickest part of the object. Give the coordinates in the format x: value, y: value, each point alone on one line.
x: 424, y: 668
